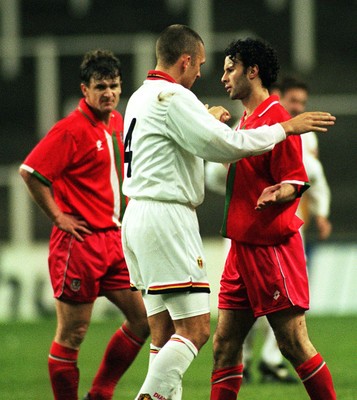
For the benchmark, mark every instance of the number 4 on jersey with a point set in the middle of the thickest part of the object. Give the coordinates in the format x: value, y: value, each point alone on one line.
x: 128, y: 154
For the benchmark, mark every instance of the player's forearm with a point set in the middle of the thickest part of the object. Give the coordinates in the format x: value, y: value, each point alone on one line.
x: 42, y: 195
x: 286, y: 193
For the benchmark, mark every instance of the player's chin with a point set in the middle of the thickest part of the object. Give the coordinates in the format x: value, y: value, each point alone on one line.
x: 108, y: 107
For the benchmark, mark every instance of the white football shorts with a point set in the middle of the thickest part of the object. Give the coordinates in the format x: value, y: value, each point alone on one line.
x: 163, y: 248
x: 178, y: 305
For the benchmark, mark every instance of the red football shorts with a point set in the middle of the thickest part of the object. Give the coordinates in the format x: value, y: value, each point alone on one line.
x: 82, y: 271
x: 265, y: 278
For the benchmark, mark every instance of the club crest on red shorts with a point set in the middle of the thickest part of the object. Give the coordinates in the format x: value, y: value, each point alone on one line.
x: 75, y: 285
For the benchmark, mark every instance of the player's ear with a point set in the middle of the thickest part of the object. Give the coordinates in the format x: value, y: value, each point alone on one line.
x: 84, y: 89
x: 185, y: 61
x: 253, y: 71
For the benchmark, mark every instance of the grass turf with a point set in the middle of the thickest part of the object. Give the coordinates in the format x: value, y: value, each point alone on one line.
x: 24, y: 350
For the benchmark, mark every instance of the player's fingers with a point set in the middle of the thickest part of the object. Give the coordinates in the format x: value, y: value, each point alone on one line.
x: 323, y: 117
x: 225, y: 117
x: 78, y: 236
x: 319, y: 129
x: 325, y: 122
x: 322, y: 114
x: 83, y: 229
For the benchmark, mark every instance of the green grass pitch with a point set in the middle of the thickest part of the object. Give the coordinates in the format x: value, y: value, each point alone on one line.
x: 24, y: 349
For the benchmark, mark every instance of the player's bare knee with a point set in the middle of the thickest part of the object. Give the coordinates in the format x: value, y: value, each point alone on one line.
x: 198, y: 338
x: 226, y: 350
x: 139, y: 327
x: 201, y: 337
x: 206, y: 335
x: 295, y: 350
x: 77, y: 335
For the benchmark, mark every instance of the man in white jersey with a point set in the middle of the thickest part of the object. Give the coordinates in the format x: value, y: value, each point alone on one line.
x: 168, y: 134
x: 316, y: 205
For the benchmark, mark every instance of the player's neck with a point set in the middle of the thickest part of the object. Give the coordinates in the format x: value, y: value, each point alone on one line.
x: 255, y: 98
x: 103, y: 117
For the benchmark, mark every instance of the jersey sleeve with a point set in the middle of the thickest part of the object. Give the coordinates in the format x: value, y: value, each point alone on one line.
x: 286, y: 164
x: 319, y: 192
x: 195, y: 129
x: 51, y: 155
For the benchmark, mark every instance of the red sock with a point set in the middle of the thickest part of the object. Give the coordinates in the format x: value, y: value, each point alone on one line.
x: 226, y: 382
x: 120, y: 353
x: 64, y: 374
x: 317, y: 379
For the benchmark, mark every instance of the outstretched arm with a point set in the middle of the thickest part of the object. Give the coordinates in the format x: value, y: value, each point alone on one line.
x: 43, y: 197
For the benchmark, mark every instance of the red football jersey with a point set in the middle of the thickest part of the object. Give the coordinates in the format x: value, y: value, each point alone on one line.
x: 83, y: 160
x: 248, y: 177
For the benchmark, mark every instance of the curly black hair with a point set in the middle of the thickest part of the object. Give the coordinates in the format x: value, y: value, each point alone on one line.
x: 99, y: 64
x: 256, y: 52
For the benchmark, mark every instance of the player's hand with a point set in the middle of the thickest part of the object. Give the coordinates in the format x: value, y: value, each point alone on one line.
x: 315, y: 121
x: 324, y: 227
x: 268, y: 197
x: 219, y: 113
x: 73, y: 225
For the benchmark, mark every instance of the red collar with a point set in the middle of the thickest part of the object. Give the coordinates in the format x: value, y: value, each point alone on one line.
x: 85, y: 110
x: 260, y: 110
x: 156, y: 75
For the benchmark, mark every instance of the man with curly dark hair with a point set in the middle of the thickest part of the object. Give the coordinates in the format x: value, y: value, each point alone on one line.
x: 265, y: 271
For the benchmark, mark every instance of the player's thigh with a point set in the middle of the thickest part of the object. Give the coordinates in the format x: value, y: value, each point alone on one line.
x: 160, y: 321
x: 163, y: 247
x: 189, y: 313
x: 289, y: 324
x: 179, y: 305
x: 233, y: 327
x: 188, y: 304
x: 129, y: 302
x: 161, y: 328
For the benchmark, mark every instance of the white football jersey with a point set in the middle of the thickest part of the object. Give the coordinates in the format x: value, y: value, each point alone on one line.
x: 170, y: 133
x: 319, y: 192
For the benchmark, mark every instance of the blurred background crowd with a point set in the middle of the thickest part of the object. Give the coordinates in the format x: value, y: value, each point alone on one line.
x: 42, y: 43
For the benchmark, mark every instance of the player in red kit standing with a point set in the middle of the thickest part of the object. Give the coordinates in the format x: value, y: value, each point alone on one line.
x: 265, y: 271
x: 75, y: 175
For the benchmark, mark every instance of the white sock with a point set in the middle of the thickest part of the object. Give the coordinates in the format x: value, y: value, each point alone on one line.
x: 248, y: 347
x: 154, y: 350
x: 167, y: 368
x: 270, y: 352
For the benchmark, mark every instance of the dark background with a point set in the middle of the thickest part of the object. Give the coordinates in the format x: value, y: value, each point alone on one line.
x: 335, y: 73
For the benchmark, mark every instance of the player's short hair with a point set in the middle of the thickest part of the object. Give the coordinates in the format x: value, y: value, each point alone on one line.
x: 256, y: 52
x: 290, y: 82
x: 99, y: 64
x: 176, y: 40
